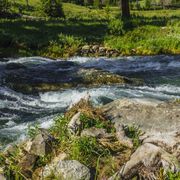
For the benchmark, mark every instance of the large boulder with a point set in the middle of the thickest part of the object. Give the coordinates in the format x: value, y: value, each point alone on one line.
x: 67, y: 170
x: 168, y: 141
x: 147, y: 161
x: 151, y: 116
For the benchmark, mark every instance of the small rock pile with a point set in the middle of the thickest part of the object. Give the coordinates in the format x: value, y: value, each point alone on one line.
x: 97, y: 50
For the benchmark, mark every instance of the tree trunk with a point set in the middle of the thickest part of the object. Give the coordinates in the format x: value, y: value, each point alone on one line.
x: 125, y: 8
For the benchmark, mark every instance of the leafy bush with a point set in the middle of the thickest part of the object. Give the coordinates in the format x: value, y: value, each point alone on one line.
x: 52, y: 8
x: 133, y: 132
x: 116, y: 27
x: 4, y: 6
x: 33, y: 130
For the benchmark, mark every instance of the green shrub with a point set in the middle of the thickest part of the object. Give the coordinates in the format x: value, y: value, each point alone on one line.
x: 33, y: 130
x: 52, y: 8
x: 116, y: 27
x: 133, y: 132
x: 4, y: 6
x: 87, y: 150
x: 147, y: 4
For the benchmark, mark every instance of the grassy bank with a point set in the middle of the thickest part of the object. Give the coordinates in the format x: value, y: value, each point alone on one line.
x: 148, y: 32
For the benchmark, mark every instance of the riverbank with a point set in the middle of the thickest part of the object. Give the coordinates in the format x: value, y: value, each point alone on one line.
x: 84, y: 144
x: 90, y: 32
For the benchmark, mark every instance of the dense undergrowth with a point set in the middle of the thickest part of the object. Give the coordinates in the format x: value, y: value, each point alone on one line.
x: 146, y: 33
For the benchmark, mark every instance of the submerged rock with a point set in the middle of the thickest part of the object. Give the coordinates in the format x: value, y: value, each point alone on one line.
x: 58, y: 76
x: 67, y: 170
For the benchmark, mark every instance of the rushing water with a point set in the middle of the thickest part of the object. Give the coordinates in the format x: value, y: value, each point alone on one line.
x: 160, y: 73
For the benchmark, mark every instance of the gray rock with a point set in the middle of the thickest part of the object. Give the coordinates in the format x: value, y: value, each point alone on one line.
x: 169, y: 141
x: 147, y: 160
x: 95, y: 48
x: 74, y: 123
x: 94, y: 132
x: 42, y: 144
x: 86, y: 47
x: 67, y: 170
x: 150, y: 116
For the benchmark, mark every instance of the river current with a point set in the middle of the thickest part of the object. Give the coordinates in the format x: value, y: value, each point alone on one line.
x: 161, y: 75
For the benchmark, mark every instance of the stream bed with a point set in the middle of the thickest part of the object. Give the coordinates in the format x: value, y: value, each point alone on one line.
x: 161, y: 75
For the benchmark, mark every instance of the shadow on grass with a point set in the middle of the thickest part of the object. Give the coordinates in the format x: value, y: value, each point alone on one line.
x: 41, y: 32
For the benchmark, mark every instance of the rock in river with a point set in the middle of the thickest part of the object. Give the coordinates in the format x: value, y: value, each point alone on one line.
x: 60, y: 75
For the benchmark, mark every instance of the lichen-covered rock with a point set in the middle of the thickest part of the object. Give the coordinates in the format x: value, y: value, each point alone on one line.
x: 67, y: 170
x: 146, y: 162
x: 94, y: 132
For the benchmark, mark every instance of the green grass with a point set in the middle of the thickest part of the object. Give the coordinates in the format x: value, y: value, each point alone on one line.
x: 149, y: 32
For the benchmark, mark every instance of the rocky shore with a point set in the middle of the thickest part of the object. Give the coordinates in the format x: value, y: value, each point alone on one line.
x: 124, y: 139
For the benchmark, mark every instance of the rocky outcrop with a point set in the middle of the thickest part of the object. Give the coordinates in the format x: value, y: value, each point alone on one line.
x: 67, y: 170
x: 149, y: 115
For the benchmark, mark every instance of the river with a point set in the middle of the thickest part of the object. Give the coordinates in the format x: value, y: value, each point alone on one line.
x: 161, y: 75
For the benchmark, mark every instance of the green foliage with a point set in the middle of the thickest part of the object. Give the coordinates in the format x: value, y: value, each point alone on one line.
x: 116, y: 27
x: 52, y: 8
x: 86, y: 150
x: 4, y: 6
x: 97, y: 4
x: 172, y: 176
x: 147, y: 4
x: 147, y: 33
x: 33, y: 130
x: 10, y: 165
x: 90, y: 122
x: 64, y: 46
x: 134, y: 133
x: 59, y: 128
